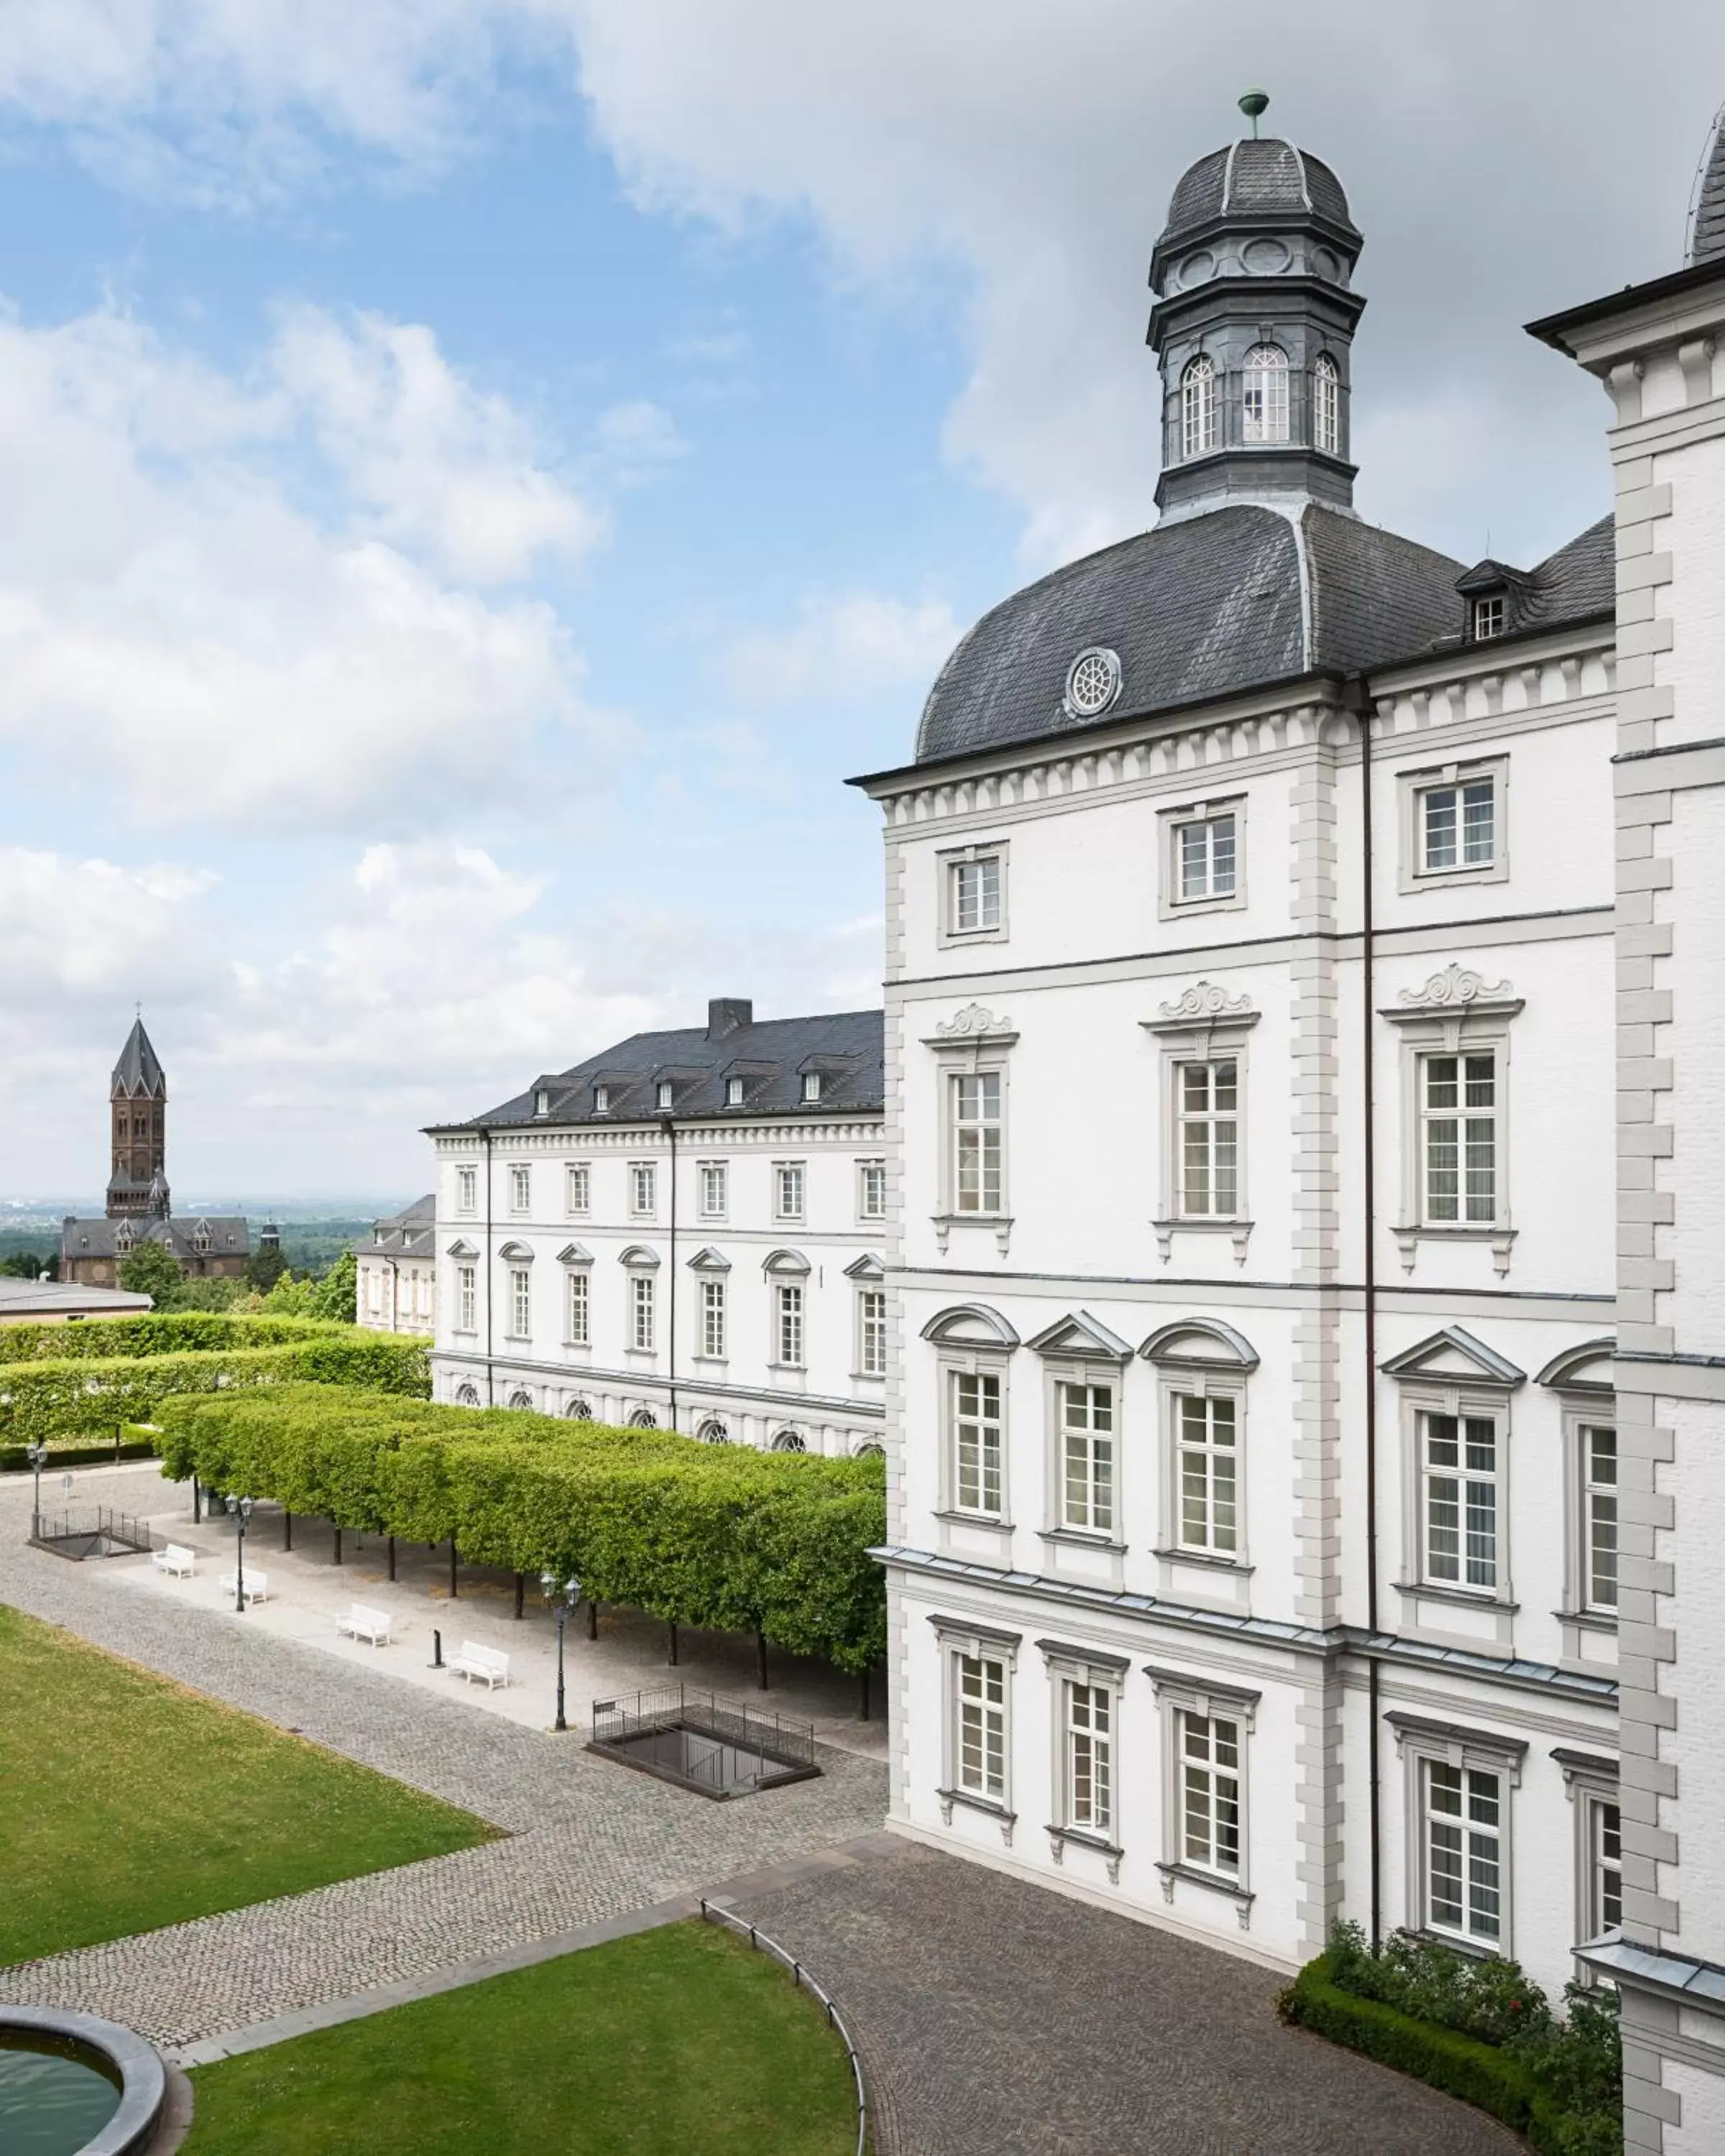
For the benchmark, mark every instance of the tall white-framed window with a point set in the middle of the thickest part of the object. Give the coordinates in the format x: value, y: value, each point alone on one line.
x: 521, y: 1301
x: 1599, y: 1516
x: 1208, y: 1114
x: 976, y: 1434
x: 641, y: 1311
x: 1198, y: 407
x: 665, y: 1095
x: 467, y: 1190
x: 788, y: 1178
x: 734, y: 1088
x: 871, y: 1190
x: 1207, y: 1470
x: 1463, y: 1829
x: 871, y: 1332
x: 1459, y: 1109
x: 1086, y: 1773
x: 1087, y: 1456
x: 1460, y: 1459
x: 601, y: 1100
x: 1602, y: 1826
x: 973, y: 892
x: 1211, y: 1810
x: 787, y: 1324
x: 521, y: 1190
x: 714, y: 1189
x: 580, y: 1308
x: 712, y: 1319
x: 975, y: 1104
x: 578, y: 1188
x: 642, y: 1188
x: 979, y: 1736
x: 466, y: 1298
x: 1264, y: 395
x: 1489, y: 617
x: 811, y: 1085
x: 1327, y: 405
x: 1205, y: 858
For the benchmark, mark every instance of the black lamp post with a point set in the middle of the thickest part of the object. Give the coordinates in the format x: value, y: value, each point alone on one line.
x: 37, y: 1455
x: 241, y: 1509
x: 564, y: 1595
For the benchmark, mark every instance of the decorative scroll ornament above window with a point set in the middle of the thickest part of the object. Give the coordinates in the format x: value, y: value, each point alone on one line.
x: 1456, y: 987
x: 1092, y: 683
x: 971, y: 1023
x: 1204, y: 1003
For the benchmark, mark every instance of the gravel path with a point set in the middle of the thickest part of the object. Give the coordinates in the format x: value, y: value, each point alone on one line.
x: 587, y: 1839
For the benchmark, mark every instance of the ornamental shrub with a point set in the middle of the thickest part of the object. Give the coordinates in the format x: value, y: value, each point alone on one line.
x: 87, y: 1396
x: 720, y: 1537
x: 1482, y: 2029
x: 157, y: 1332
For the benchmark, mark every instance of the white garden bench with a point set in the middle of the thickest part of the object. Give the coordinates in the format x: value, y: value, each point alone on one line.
x: 255, y: 1588
x: 361, y: 1622
x: 473, y: 1660
x: 176, y: 1560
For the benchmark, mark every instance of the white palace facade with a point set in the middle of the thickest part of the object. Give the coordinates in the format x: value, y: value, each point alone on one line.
x: 684, y: 1232
x: 1293, y: 1411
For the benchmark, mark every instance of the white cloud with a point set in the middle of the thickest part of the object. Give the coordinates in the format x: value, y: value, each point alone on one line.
x: 430, y: 981
x: 252, y: 596
x: 843, y: 646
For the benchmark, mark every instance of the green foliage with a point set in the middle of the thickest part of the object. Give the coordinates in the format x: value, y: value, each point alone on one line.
x: 716, y: 1536
x: 211, y: 1295
x: 1482, y: 2030
x: 293, y: 1296
x: 84, y: 1396
x: 152, y: 1269
x: 155, y: 1332
x: 265, y: 1267
x: 23, y: 1265
x: 335, y: 1295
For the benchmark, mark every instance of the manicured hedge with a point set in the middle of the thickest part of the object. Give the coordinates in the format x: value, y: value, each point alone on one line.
x: 720, y: 1537
x: 86, y: 1397
x: 1558, y: 2082
x: 156, y: 1332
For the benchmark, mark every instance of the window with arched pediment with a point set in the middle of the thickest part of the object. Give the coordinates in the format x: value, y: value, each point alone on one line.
x: 789, y: 1440
x: 520, y: 1398
x: 1264, y: 395
x: 643, y: 1419
x: 713, y: 1432
x: 1198, y: 407
x: 1327, y: 405
x: 467, y: 1396
x: 578, y: 1411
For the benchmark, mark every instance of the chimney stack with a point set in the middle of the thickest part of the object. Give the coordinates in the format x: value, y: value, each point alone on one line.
x: 726, y: 1014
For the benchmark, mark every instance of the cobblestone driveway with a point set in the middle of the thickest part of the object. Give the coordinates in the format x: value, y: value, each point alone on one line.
x: 587, y: 1840
x: 996, y: 2018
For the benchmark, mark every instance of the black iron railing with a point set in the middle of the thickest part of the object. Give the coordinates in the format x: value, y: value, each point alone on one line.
x: 775, y: 1736
x: 124, y: 1531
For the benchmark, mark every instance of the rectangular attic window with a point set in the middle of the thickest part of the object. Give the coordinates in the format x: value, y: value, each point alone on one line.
x: 664, y: 1092
x: 541, y: 1102
x: 1490, y: 617
x: 601, y: 1099
x: 734, y: 1092
x: 811, y: 1085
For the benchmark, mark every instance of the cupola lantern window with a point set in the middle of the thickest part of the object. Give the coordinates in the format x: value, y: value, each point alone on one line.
x: 1198, y: 409
x: 1265, y: 398
x: 1327, y: 407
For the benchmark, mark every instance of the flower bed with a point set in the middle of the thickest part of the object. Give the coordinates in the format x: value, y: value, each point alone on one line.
x: 1482, y: 2030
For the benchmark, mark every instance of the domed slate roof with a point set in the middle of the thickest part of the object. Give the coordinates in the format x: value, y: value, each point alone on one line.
x: 1256, y: 178
x: 1707, y: 241
x: 1202, y: 607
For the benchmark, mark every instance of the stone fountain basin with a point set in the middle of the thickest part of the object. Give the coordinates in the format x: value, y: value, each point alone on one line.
x: 143, y: 2079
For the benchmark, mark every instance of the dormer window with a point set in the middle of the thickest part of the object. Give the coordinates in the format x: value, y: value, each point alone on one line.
x: 734, y: 1092
x: 1490, y: 617
x: 665, y: 1091
x: 1198, y: 407
x: 541, y: 1102
x: 811, y: 1085
x: 1264, y: 408
x: 601, y: 1099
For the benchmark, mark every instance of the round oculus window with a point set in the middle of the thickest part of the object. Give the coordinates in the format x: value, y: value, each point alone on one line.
x: 1092, y: 682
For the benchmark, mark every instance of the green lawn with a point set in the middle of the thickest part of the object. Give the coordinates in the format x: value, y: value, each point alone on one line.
x: 676, y: 2041
x: 129, y: 1802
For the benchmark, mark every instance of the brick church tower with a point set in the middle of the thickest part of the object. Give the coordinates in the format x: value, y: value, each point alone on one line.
x: 137, y: 1188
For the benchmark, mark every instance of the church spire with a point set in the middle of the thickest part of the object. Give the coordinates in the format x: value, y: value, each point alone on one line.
x: 137, y: 1094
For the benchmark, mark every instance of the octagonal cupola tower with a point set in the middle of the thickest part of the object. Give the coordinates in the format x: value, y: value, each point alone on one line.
x: 1253, y: 327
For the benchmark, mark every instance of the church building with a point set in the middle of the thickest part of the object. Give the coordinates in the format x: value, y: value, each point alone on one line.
x: 210, y: 1247
x: 1306, y: 1457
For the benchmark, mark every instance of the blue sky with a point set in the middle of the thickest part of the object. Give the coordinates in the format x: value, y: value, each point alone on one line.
x: 483, y: 472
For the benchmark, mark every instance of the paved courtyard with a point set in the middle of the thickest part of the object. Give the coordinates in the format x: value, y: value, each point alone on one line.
x: 995, y: 2019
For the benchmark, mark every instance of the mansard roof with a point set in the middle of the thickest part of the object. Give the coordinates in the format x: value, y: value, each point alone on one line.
x: 138, y: 1071
x: 409, y: 1234
x: 1239, y: 598
x: 1255, y: 178
x: 846, y: 1048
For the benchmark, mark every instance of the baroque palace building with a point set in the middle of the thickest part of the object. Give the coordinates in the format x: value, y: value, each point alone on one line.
x: 683, y: 1232
x: 1303, y: 1458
